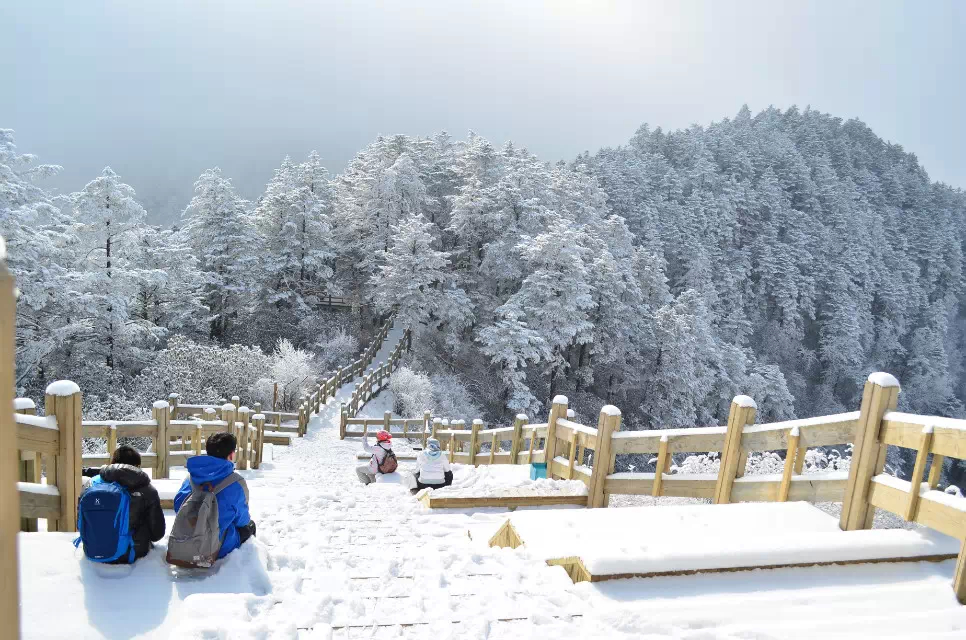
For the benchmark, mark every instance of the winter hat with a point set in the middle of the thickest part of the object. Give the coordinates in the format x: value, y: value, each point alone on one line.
x: 432, y: 444
x: 383, y: 436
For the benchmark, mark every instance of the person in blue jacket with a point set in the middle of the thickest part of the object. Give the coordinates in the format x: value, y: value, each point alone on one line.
x: 234, y: 522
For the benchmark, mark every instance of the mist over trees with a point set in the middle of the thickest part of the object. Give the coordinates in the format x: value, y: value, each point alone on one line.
x: 784, y: 255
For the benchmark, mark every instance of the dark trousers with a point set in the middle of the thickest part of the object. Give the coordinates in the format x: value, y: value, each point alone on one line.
x: 246, y: 532
x: 447, y: 481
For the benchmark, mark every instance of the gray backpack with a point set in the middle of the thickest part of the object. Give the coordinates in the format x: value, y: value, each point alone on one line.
x: 195, y: 541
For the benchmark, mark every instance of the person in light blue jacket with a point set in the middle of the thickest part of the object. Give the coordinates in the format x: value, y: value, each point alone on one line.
x: 234, y: 522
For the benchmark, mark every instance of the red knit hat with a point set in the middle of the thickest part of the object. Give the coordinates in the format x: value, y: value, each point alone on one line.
x: 384, y: 436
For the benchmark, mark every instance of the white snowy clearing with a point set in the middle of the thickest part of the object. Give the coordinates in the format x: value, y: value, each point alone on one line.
x: 334, y: 558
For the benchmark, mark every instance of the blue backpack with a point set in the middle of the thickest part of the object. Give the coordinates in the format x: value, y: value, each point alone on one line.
x: 103, y: 522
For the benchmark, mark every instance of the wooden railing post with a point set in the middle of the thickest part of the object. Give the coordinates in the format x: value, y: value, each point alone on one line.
x: 608, y: 423
x: 30, y: 462
x: 557, y: 410
x: 173, y: 400
x: 235, y: 400
x: 343, y: 416
x: 427, y: 422
x: 228, y: 415
x: 63, y: 401
x: 275, y: 397
x: 663, y: 462
x: 386, y: 417
x: 880, y: 394
x: 199, y: 435
x: 161, y: 413
x: 517, y: 441
x: 437, y: 422
x: 475, y: 439
x: 742, y: 413
x: 9, y: 497
x: 258, y: 420
x: 241, y: 460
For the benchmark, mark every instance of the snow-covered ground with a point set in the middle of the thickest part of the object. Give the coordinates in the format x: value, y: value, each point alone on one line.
x: 503, y: 481
x: 333, y: 557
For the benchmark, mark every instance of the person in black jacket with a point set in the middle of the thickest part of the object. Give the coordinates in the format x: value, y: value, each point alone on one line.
x: 147, y: 519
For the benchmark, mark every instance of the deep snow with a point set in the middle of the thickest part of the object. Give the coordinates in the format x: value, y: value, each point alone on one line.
x: 332, y: 553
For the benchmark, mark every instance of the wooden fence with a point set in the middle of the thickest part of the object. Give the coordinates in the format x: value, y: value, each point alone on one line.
x: 575, y: 451
x: 371, y: 384
x: 53, y: 442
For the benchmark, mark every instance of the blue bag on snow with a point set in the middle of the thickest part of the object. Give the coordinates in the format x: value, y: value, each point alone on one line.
x: 103, y: 522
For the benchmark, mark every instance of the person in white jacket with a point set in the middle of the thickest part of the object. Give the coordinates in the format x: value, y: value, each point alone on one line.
x: 432, y: 467
x: 367, y: 472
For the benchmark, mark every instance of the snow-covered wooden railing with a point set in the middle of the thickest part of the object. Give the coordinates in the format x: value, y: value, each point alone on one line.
x: 372, y: 382
x: 417, y: 428
x: 54, y: 441
x: 734, y: 442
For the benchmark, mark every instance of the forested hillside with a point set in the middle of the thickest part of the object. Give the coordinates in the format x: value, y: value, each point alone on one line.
x: 784, y: 255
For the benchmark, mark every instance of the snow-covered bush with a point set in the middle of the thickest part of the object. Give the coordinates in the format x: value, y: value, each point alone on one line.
x: 701, y: 463
x: 295, y: 372
x: 412, y: 392
x: 336, y: 350
x: 202, y: 373
x: 452, y: 399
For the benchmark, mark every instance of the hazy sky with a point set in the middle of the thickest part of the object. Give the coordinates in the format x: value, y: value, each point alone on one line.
x: 160, y: 90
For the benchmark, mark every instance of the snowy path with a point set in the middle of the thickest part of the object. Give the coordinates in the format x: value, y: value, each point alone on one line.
x: 333, y: 557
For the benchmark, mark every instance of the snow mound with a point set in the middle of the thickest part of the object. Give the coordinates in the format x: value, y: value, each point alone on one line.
x: 105, y: 608
x: 19, y: 404
x: 160, y: 404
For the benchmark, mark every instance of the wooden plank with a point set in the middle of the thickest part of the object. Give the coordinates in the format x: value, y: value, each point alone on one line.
x: 39, y: 505
x: 679, y: 440
x: 662, y: 462
x: 959, y: 576
x: 282, y: 441
x: 671, y: 486
x: 137, y: 430
x: 948, y: 440
x: 507, y: 501
x: 39, y: 439
x: 800, y: 488
x: 821, y: 431
x: 935, y: 471
x: 917, y: 471
x: 789, y: 465
x: 790, y: 565
x: 929, y: 513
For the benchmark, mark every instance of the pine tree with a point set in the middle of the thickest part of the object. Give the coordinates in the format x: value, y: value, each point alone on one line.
x: 222, y: 234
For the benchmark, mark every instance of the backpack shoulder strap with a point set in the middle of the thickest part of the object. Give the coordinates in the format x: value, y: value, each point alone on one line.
x: 230, y: 480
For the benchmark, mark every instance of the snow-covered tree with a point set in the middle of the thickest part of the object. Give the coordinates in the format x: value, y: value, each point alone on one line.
x: 226, y: 243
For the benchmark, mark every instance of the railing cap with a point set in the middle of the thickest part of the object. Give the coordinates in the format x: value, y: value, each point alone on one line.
x: 228, y: 407
x: 23, y: 403
x: 610, y: 410
x: 746, y: 402
x: 560, y: 400
x: 160, y: 404
x: 62, y: 388
x: 884, y: 379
